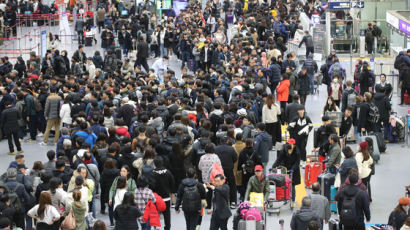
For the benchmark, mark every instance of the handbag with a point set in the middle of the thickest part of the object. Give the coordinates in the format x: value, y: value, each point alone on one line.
x: 69, y: 222
x: 256, y: 199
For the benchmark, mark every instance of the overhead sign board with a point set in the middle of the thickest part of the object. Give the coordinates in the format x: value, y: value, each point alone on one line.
x: 392, y: 20
x: 346, y: 5
x: 315, y: 19
x: 339, y: 5
x: 405, y: 27
x: 358, y: 4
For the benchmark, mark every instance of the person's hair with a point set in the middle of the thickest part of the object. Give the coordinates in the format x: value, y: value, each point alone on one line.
x: 51, y: 155
x: 349, y: 83
x: 313, y: 225
x: 38, y: 165
x: 399, y: 208
x: 18, y: 157
x: 158, y: 162
x: 109, y: 164
x: 295, y: 98
x: 79, y: 180
x: 365, y: 153
x: 334, y: 138
x: 220, y: 176
x: 190, y: 173
x: 261, y: 126
x: 99, y: 225
x: 368, y: 96
x: 43, y: 201
x: 249, y: 142
x: 348, y: 152
x: 4, y: 222
x: 142, y: 182
x: 316, y: 187
x: 270, y: 100
x: 4, y: 197
x: 209, y: 148
x: 126, y: 167
x: 238, y: 137
x: 149, y: 153
x: 77, y: 198
x: 128, y: 200
x: 307, y: 201
x: 54, y: 183
x: 121, y: 182
x: 353, y: 178
x: 407, y: 222
x: 60, y: 164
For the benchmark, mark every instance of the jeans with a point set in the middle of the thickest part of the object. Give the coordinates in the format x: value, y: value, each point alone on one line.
x: 111, y: 214
x: 230, y: 178
x: 217, y: 223
x: 191, y: 219
x: 293, y: 192
x: 10, y: 136
x: 185, y: 58
x: 32, y: 125
x: 312, y: 83
x: 29, y: 222
x: 145, y: 226
x: 52, y: 123
x: 163, y: 50
x: 43, y: 121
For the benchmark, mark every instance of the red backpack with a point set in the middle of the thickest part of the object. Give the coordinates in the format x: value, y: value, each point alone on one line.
x: 160, y: 203
x: 216, y: 169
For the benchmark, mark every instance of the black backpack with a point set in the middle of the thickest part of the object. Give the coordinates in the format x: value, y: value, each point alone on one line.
x: 374, y: 114
x: 191, y: 200
x: 348, y: 211
x: 250, y: 164
x: 13, y: 196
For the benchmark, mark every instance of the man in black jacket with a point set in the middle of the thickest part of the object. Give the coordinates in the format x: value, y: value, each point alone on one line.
x: 383, y: 104
x: 10, y: 127
x: 308, y: 40
x: 190, y: 194
x: 353, y: 196
x: 228, y: 157
x: 275, y: 70
x: 302, y: 217
x: 347, y: 122
x: 221, y: 211
x: 142, y: 55
x: 291, y: 111
x: 164, y: 186
x: 363, y: 123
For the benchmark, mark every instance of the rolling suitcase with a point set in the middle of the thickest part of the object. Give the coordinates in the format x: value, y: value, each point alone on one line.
x: 326, y: 180
x: 88, y: 41
x: 376, y: 151
x: 350, y: 138
x: 380, y: 142
x: 406, y: 98
x: 312, y: 171
x: 333, y: 203
x: 333, y: 224
x: 284, y: 192
x: 335, y: 117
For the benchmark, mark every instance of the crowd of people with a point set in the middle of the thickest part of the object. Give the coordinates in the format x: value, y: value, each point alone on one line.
x: 142, y: 139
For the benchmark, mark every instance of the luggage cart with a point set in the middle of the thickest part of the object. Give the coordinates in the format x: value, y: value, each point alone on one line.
x: 250, y: 223
x: 273, y: 205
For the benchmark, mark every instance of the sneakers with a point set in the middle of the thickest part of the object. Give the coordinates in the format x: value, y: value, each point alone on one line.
x: 43, y: 144
x: 20, y: 152
x: 233, y: 206
x: 40, y: 135
x: 30, y: 140
x: 11, y: 153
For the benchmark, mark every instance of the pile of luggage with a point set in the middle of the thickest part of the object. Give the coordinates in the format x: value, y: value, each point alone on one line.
x: 249, y: 217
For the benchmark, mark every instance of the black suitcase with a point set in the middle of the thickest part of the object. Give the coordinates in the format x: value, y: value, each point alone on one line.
x: 88, y: 41
x: 118, y: 53
x: 333, y: 224
x: 315, y: 137
x: 380, y: 142
x: 326, y: 180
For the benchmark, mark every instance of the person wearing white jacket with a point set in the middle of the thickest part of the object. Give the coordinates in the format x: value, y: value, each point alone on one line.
x: 65, y: 113
x: 364, y: 164
x: 270, y: 113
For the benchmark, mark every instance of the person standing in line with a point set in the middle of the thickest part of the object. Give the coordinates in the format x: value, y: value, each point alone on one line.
x: 142, y: 55
x: 398, y: 216
x: 364, y: 162
x: 320, y: 205
x: 10, y: 127
x: 270, y: 116
x: 52, y: 115
x: 304, y: 85
x: 221, y: 211
x: 32, y: 117
x: 301, y: 218
x: 263, y: 144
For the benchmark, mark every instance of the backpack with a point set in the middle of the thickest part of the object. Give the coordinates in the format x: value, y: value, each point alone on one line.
x: 37, y: 105
x: 369, y: 36
x: 348, y: 211
x: 191, y: 200
x: 14, y: 198
x: 216, y: 169
x: 249, y: 164
x: 374, y: 114
x: 253, y: 133
x: 147, y: 169
x: 351, y: 98
x: 337, y: 70
x: 92, y: 112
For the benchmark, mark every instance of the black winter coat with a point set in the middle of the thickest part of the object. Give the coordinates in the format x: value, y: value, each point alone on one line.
x: 363, y: 114
x: 362, y: 203
x: 290, y: 161
x: 304, y: 84
x: 189, y: 182
x: 126, y: 218
x: 227, y: 155
x: 107, y: 178
x: 164, y: 182
x: 383, y: 104
x: 9, y: 120
x: 221, y: 203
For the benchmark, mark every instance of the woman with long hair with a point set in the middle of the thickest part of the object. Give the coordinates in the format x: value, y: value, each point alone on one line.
x: 65, y: 112
x: 270, y: 113
x: 99, y: 225
x: 399, y: 215
x: 330, y: 106
x: 364, y: 164
x: 58, y: 195
x: 119, y: 193
x: 131, y: 186
x: 78, y: 208
x: 127, y: 213
x: 44, y: 212
x: 108, y: 175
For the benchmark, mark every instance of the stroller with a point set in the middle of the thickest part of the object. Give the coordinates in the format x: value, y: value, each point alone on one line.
x: 280, y: 186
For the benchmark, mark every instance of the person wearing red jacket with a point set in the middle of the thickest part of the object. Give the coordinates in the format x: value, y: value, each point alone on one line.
x: 283, y: 92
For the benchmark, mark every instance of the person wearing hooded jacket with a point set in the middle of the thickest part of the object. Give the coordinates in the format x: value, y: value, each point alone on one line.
x: 382, y: 102
x: 398, y: 216
x: 302, y: 217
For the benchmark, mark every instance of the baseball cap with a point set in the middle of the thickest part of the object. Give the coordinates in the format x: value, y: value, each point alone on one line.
x: 291, y: 141
x: 258, y: 168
